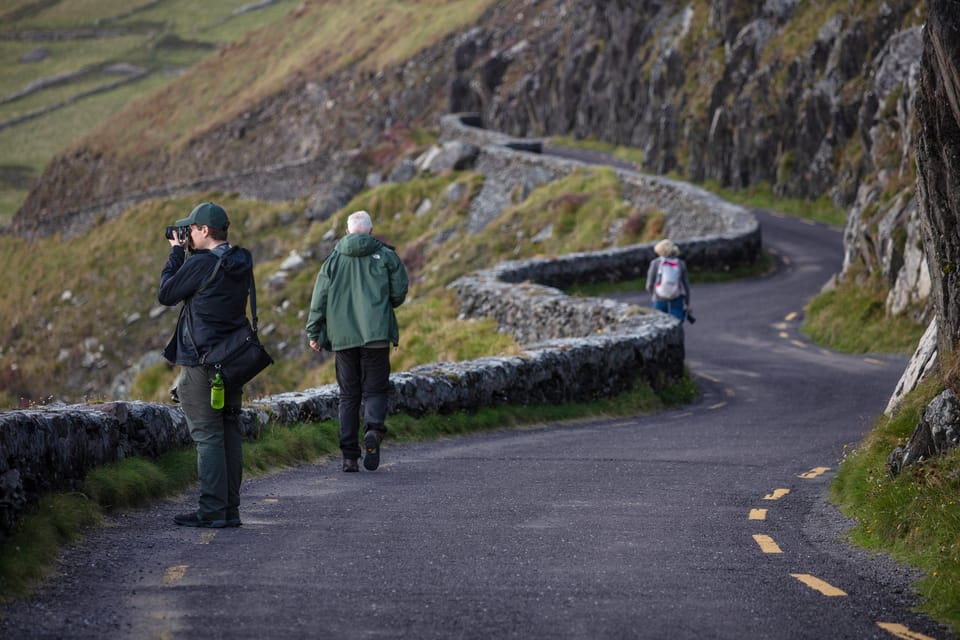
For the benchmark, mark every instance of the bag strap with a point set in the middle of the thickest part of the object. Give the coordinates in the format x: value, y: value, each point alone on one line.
x: 253, y: 301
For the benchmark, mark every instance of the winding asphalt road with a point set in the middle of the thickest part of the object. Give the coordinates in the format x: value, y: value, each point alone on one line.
x: 709, y: 521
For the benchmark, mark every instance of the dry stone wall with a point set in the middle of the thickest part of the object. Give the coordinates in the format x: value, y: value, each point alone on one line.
x: 575, y: 349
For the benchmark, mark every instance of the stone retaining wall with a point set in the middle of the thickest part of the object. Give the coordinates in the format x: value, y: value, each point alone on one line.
x: 576, y: 349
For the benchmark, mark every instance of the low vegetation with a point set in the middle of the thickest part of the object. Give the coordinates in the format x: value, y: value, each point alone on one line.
x: 852, y: 318
x: 915, y: 517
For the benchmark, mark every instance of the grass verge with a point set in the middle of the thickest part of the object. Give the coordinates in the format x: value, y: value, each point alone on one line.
x: 29, y: 554
x: 852, y: 318
x: 761, y: 266
x: 914, y: 517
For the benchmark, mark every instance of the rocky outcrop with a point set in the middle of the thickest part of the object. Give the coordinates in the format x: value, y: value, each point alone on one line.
x: 924, y: 362
x: 938, y: 179
x: 937, y: 433
x: 938, y: 183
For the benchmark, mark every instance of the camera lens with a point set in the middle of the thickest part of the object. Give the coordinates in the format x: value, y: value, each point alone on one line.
x: 168, y: 234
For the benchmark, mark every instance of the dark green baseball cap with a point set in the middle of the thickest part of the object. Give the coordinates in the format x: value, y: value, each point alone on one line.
x: 206, y: 213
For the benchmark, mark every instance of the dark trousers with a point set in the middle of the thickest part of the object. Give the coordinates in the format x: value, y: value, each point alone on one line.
x: 219, y: 443
x: 363, y: 375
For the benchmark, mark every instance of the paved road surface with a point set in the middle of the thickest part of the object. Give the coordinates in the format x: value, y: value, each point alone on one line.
x: 696, y: 523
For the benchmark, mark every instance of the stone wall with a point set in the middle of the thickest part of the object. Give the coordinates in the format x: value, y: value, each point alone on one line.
x: 575, y: 349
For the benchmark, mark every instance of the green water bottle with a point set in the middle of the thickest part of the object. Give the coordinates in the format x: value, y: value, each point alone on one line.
x: 216, y: 392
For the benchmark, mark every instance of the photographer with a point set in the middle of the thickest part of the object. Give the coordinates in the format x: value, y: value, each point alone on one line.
x: 214, y: 304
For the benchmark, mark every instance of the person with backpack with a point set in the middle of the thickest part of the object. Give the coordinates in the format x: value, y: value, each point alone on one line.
x: 214, y: 305
x: 667, y: 280
x: 351, y: 314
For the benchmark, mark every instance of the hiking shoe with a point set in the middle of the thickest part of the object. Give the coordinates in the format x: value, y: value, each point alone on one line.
x: 350, y: 466
x: 193, y: 519
x: 371, y: 446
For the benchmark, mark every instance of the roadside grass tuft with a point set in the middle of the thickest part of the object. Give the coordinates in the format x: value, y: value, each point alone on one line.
x: 852, y: 318
x: 914, y: 517
x: 29, y: 554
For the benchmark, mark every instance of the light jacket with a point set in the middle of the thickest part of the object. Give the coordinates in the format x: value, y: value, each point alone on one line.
x: 355, y: 294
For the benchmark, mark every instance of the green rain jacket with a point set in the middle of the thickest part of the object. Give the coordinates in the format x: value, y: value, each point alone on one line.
x: 355, y: 294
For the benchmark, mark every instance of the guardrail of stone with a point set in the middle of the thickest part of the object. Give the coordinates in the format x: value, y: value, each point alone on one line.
x: 576, y: 349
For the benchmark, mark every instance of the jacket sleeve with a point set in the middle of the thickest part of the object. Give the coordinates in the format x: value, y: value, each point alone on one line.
x: 652, y: 274
x: 179, y: 279
x: 399, y: 282
x: 317, y: 320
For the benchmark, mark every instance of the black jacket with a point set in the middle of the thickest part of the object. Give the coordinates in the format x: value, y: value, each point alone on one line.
x: 213, y: 312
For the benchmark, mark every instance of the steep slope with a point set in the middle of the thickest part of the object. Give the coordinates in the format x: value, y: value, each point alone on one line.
x: 812, y: 98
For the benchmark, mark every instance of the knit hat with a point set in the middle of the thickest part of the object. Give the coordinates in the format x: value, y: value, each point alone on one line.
x: 206, y: 213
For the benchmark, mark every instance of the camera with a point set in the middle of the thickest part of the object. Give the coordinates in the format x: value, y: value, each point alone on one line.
x: 183, y: 233
x: 690, y: 318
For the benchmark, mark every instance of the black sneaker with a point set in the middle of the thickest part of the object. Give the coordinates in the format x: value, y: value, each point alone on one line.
x: 350, y: 466
x: 371, y: 446
x: 233, y: 520
x: 193, y: 519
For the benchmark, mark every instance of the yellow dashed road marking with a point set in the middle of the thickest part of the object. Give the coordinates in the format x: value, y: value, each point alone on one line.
x: 791, y: 316
x: 767, y: 545
x: 817, y: 584
x: 777, y: 494
x: 730, y: 393
x: 784, y: 334
x: 271, y: 500
x: 710, y: 378
x: 797, y: 343
x: 174, y: 574
x: 206, y: 537
x: 758, y: 514
x: 902, y: 632
x: 813, y: 473
x: 874, y: 361
x: 719, y: 405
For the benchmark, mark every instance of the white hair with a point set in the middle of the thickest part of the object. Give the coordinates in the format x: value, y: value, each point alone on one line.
x: 359, y: 222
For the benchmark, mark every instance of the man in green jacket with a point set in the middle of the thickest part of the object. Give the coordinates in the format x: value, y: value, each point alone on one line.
x: 351, y: 314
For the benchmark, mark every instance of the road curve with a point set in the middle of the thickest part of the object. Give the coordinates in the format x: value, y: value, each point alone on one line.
x: 708, y: 521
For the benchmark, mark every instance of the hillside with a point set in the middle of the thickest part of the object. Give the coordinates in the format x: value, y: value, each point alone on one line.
x: 286, y: 124
x: 809, y: 99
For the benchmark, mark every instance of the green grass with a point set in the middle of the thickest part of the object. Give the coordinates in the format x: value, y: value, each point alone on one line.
x: 761, y: 266
x: 761, y: 196
x: 758, y: 196
x: 915, y: 517
x: 627, y: 154
x: 852, y: 318
x: 28, y: 556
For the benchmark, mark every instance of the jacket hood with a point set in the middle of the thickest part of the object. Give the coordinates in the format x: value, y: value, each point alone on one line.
x: 359, y: 245
x: 237, y: 262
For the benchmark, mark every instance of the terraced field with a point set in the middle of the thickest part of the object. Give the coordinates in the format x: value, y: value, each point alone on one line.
x: 65, y: 67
